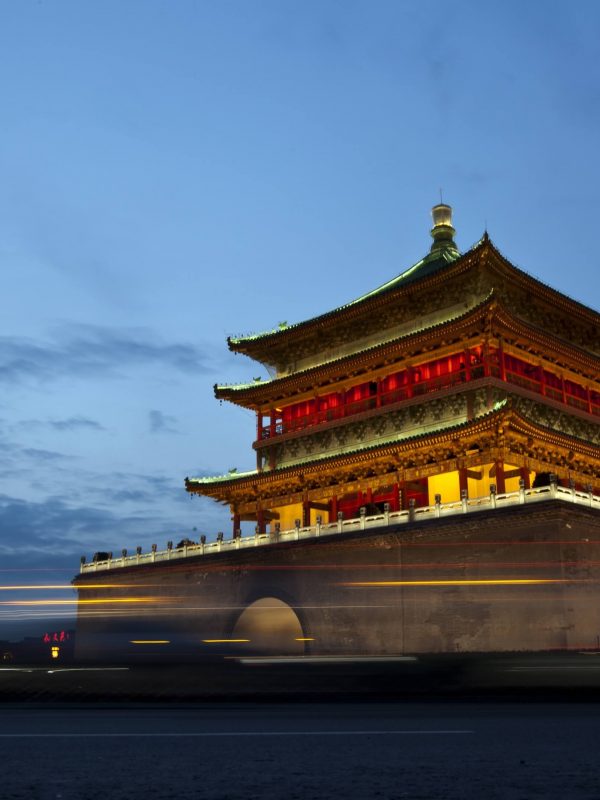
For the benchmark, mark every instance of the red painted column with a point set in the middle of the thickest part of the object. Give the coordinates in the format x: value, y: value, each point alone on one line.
x: 396, y: 499
x: 463, y: 481
x: 272, y: 431
x: 305, y: 513
x: 589, y: 399
x: 333, y: 505
x: 525, y: 477
x: 542, y: 380
x: 259, y: 419
x: 500, y: 482
x: 236, y: 525
x: 501, y: 361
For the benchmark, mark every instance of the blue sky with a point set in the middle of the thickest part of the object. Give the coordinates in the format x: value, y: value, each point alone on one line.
x: 171, y: 173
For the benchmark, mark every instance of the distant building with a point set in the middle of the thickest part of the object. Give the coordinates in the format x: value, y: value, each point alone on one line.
x: 52, y: 646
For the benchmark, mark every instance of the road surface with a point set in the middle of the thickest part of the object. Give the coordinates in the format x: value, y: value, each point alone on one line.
x: 320, y: 750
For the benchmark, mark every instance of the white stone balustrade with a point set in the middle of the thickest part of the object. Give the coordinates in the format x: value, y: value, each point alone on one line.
x: 436, y: 511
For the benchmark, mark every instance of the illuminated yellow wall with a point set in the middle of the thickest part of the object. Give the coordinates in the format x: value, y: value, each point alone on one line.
x: 288, y: 515
x: 314, y: 513
x: 512, y: 484
x: 481, y: 488
x: 447, y: 485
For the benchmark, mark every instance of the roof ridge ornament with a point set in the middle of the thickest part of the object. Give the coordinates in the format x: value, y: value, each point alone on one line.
x: 443, y: 232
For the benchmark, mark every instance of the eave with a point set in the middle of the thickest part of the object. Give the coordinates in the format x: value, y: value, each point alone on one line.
x: 259, y: 346
x: 266, y: 347
x: 502, y: 422
x: 498, y: 319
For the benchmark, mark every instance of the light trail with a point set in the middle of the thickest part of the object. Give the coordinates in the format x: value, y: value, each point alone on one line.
x: 150, y: 641
x: 229, y: 734
x: 484, y: 582
x: 67, y: 586
x: 75, y: 601
x: 224, y: 641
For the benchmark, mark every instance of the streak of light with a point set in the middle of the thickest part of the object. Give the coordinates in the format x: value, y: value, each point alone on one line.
x: 86, y: 669
x: 230, y: 734
x: 51, y: 586
x: 487, y: 582
x: 64, y: 669
x: 75, y: 602
x: 304, y: 639
x: 150, y: 641
x: 224, y: 641
x: 255, y: 660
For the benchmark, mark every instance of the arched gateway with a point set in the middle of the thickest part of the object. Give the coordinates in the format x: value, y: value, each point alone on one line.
x: 271, y: 627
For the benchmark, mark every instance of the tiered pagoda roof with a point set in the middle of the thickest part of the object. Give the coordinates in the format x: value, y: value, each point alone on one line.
x: 442, y: 304
x: 271, y: 347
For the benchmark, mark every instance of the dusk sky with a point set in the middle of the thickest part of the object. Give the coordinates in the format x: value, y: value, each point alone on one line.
x: 176, y: 172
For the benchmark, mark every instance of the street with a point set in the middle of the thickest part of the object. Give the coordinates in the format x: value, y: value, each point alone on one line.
x: 320, y: 750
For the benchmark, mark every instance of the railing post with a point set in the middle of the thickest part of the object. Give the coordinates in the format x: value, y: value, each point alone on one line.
x: 277, y: 531
x: 81, y: 563
x: 202, y: 542
x: 590, y: 495
x: 123, y: 556
x: 553, y: 484
x: 318, y: 525
x: 386, y: 513
x: 297, y: 527
x: 463, y: 500
x: 256, y: 532
x: 438, y: 504
x: 521, y: 491
x: 340, y: 520
x: 138, y: 553
x: 219, y: 541
x: 169, y: 550
x: 411, y: 509
x: 572, y: 488
x: 493, y: 495
x: 153, y: 551
x: 363, y: 514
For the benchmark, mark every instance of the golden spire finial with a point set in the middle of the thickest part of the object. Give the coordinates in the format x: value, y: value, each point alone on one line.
x: 442, y: 231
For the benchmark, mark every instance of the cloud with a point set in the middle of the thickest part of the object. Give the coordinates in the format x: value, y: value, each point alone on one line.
x: 78, y: 350
x: 43, y: 455
x: 77, y: 423
x: 30, y: 531
x: 161, y: 423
